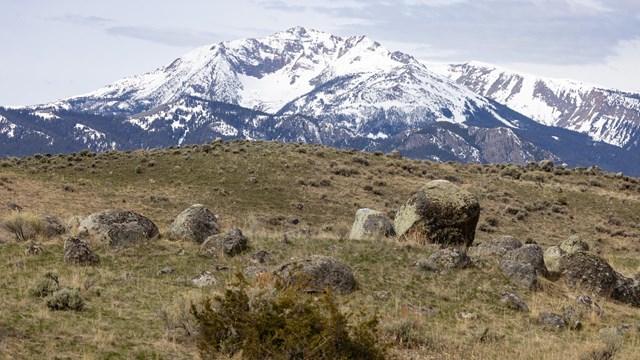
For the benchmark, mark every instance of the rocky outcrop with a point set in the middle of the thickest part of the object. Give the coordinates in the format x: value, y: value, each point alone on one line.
x: 196, y: 224
x: 118, y: 227
x: 316, y: 274
x: 444, y: 260
x: 441, y: 212
x: 371, y: 224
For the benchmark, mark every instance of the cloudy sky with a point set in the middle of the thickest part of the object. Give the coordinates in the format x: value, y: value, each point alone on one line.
x: 54, y: 49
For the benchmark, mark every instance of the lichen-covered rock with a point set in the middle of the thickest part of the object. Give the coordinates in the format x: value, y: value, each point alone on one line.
x: 553, y: 322
x: 77, y: 251
x: 626, y: 291
x: 445, y: 259
x: 196, y: 223
x: 205, y: 278
x: 371, y: 224
x: 53, y: 226
x: 118, y: 227
x: 552, y: 258
x: 316, y: 274
x: 588, y: 272
x: 529, y: 254
x: 441, y: 212
x: 521, y: 274
x: 229, y: 244
x: 573, y: 244
x: 498, y: 246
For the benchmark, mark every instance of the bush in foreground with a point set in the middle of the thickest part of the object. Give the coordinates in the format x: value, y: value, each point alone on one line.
x: 284, y: 325
x: 23, y: 225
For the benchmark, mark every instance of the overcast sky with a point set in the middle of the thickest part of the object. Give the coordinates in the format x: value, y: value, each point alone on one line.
x: 55, y: 49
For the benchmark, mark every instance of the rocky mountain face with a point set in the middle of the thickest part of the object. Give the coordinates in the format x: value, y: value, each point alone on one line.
x: 305, y: 86
x: 606, y: 115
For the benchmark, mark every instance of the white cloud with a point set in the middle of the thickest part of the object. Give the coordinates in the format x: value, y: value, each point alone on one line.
x: 588, y: 5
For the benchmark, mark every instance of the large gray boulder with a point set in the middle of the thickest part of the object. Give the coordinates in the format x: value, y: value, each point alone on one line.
x: 196, y: 224
x: 118, y: 227
x: 371, y: 224
x: 441, y: 212
x: 588, y: 272
x: 521, y: 274
x: 626, y: 290
x: 316, y: 274
x: 529, y: 254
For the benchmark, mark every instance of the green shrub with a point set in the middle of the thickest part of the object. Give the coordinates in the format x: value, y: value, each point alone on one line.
x: 512, y: 171
x: 284, y: 325
x: 23, y: 225
x: 65, y: 299
x: 46, y: 286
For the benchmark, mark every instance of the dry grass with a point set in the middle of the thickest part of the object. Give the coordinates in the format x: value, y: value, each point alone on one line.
x: 132, y: 312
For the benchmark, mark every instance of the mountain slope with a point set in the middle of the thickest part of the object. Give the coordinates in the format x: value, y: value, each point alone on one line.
x: 305, y: 86
x: 606, y: 115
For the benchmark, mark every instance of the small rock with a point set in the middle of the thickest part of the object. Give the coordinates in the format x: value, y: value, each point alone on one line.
x: 14, y: 207
x: 445, y: 259
x: 573, y: 244
x: 253, y: 271
x: 299, y: 234
x: 465, y: 315
x: 128, y: 277
x: 512, y: 301
x: 261, y: 257
x: 552, y: 321
x: 589, y: 304
x: 205, y: 278
x: 498, y: 246
x: 165, y: 271
x: 381, y: 295
x: 33, y: 249
x: 293, y: 221
x: 77, y: 251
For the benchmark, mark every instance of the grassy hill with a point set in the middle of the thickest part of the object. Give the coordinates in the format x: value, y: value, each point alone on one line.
x: 132, y: 311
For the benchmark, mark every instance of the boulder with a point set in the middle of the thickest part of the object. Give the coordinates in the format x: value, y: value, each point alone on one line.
x: 316, y: 274
x: 498, y: 246
x: 588, y: 272
x: 371, y: 224
x: 445, y: 259
x: 118, y: 227
x: 521, y: 274
x: 626, y: 291
x: 573, y: 244
x: 229, y: 244
x: 529, y: 254
x: 77, y: 251
x: 196, y: 224
x: 53, y: 226
x: 441, y: 212
x: 552, y: 258
x: 553, y: 322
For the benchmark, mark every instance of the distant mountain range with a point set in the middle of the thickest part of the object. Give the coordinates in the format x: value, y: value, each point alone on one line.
x: 310, y: 86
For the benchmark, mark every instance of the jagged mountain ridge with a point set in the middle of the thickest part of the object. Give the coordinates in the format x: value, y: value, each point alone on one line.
x: 297, y: 85
x: 606, y: 115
